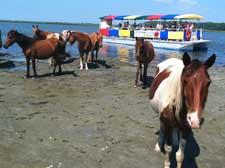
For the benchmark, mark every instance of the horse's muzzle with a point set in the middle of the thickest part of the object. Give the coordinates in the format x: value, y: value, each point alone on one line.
x: 5, y: 46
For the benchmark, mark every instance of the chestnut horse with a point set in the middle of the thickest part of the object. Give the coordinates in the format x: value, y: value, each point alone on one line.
x: 96, y: 39
x: 35, y: 49
x: 144, y: 55
x: 84, y: 45
x: 178, y: 93
x: 0, y: 39
x: 42, y: 35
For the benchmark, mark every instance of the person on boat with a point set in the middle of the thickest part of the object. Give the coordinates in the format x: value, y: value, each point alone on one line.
x: 120, y: 25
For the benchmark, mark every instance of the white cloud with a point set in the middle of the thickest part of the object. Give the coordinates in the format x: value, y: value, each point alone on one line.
x: 186, y: 4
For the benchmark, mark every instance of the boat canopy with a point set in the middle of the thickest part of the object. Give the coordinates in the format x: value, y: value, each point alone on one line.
x: 190, y: 16
x: 169, y: 17
x: 132, y: 17
x: 121, y: 17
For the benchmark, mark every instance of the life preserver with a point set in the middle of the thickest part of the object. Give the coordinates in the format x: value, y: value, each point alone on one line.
x: 156, y: 34
x: 188, y: 35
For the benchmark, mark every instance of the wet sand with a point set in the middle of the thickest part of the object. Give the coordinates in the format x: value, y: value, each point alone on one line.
x: 95, y: 119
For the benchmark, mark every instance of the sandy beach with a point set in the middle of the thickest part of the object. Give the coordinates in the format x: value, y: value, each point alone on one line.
x: 96, y: 119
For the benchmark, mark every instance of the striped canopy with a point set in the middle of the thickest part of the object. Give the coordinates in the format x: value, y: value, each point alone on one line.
x: 120, y: 17
x: 168, y: 17
x: 132, y: 17
x: 154, y: 17
x: 142, y: 17
x: 190, y: 16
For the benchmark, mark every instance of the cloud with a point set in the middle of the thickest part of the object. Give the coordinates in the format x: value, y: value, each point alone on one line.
x: 186, y: 4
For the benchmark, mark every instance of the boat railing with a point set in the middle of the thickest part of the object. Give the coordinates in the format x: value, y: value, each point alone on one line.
x: 167, y: 34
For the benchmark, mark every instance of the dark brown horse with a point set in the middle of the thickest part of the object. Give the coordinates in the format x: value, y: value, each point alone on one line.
x: 178, y: 93
x: 0, y: 39
x: 84, y: 45
x: 35, y: 49
x: 144, y: 55
x: 96, y: 39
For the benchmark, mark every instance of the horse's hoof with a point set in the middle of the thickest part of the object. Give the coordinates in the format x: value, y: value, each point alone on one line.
x: 157, y: 148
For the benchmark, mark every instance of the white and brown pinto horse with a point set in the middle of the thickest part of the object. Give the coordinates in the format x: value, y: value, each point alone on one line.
x: 178, y: 93
x: 42, y: 35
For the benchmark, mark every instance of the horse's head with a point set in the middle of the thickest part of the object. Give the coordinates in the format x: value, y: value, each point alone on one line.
x: 139, y: 47
x: 100, y: 40
x: 0, y: 39
x: 72, y: 38
x: 195, y: 82
x: 36, y: 32
x: 65, y: 35
x: 11, y: 38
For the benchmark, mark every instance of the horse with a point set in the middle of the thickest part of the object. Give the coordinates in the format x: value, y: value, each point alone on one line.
x: 97, y: 40
x: 145, y: 53
x: 42, y: 35
x: 178, y: 93
x: 0, y: 39
x: 84, y: 45
x: 35, y: 49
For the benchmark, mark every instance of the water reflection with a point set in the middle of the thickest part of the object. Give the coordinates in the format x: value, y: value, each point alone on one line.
x: 126, y: 53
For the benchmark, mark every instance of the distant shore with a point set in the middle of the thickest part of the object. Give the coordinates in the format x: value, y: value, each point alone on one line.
x: 209, y: 26
x: 46, y: 22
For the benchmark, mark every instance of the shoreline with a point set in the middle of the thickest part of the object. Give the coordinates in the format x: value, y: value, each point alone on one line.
x: 95, y: 118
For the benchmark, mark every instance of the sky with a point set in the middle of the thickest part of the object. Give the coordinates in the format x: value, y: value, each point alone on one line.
x: 90, y: 10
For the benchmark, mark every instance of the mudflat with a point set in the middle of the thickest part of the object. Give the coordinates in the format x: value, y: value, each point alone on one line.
x: 96, y: 119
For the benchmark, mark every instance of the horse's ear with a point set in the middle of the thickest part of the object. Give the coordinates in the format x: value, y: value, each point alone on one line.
x: 186, y: 59
x: 210, y: 61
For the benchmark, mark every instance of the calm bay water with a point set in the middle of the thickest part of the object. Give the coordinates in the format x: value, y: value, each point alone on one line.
x: 123, y: 52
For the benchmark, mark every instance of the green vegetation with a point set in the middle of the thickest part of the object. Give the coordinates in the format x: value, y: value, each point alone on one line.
x: 211, y: 26
x: 59, y: 23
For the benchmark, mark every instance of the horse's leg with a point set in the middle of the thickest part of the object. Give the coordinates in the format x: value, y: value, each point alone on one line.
x: 145, y: 73
x: 34, y: 66
x: 159, y: 147
x: 81, y: 61
x: 86, y: 59
x: 28, y: 67
x: 96, y: 56
x: 168, y: 145
x: 92, y: 56
x: 60, y: 68
x: 185, y: 132
x: 141, y: 74
x: 54, y: 69
x: 137, y: 74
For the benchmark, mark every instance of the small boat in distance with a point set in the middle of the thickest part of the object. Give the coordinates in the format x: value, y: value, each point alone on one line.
x: 171, y: 31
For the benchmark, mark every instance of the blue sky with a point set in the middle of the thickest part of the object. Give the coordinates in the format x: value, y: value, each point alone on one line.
x: 90, y: 10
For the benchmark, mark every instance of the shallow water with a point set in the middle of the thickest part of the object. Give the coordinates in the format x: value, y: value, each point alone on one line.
x: 123, y: 52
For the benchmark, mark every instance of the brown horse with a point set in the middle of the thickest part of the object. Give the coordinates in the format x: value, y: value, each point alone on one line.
x: 178, y: 93
x: 144, y: 55
x: 0, y: 39
x: 96, y: 39
x: 35, y: 49
x: 42, y: 35
x: 84, y: 45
